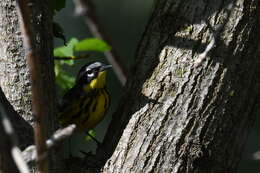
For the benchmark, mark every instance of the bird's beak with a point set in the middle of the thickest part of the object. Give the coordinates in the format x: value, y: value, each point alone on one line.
x: 104, y: 67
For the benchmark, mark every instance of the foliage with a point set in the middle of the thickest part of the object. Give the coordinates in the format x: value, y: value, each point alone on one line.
x: 92, y: 44
x: 64, y: 80
x: 92, y: 133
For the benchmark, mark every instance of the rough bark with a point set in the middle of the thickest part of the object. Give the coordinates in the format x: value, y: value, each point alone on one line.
x: 14, y: 75
x: 176, y: 118
x: 14, y: 78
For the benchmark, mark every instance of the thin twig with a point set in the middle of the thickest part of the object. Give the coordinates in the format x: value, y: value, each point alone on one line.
x: 15, y: 151
x: 84, y: 8
x: 72, y: 57
x: 33, y: 60
x: 29, y: 154
x: 214, y: 37
x: 60, y: 135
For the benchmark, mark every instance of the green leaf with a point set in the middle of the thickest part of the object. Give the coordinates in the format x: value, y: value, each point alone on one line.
x: 57, y: 68
x: 65, y: 81
x: 68, y: 62
x: 92, y: 133
x: 92, y: 44
x: 66, y: 51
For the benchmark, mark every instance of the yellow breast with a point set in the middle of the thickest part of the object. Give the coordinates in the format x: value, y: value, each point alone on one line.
x: 95, y: 111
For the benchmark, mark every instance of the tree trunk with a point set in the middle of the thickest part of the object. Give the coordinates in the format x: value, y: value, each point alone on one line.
x: 14, y: 74
x: 175, y: 117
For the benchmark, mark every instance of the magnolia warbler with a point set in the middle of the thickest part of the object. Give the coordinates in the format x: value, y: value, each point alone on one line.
x: 87, y: 102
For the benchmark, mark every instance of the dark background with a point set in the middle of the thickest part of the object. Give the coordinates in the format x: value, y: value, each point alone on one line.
x: 124, y: 21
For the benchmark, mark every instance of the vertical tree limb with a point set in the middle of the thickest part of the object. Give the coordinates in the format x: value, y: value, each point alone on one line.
x: 33, y: 60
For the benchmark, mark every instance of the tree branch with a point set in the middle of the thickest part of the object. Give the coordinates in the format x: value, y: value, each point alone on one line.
x: 72, y: 57
x: 84, y: 8
x: 29, y: 154
x: 33, y: 60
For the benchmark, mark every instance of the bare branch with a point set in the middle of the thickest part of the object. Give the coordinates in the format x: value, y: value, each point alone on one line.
x: 60, y: 135
x: 29, y: 154
x: 33, y: 60
x: 72, y: 57
x: 84, y: 8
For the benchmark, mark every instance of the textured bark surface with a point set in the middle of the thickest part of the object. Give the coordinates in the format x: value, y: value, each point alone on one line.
x: 184, y: 119
x: 14, y: 80
x: 14, y: 75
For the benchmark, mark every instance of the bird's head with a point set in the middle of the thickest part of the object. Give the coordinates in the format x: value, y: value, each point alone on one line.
x: 92, y: 75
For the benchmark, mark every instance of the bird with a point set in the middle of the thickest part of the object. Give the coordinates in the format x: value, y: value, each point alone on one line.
x: 87, y: 102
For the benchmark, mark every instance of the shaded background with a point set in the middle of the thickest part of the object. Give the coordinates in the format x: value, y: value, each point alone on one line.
x: 124, y: 22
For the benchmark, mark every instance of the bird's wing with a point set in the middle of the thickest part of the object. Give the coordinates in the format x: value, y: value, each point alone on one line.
x: 72, y: 96
x: 70, y: 109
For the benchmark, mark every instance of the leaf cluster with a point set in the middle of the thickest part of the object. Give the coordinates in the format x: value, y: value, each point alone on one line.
x: 68, y: 54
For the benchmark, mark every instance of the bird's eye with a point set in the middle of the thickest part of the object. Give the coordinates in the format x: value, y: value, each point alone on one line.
x: 90, y: 73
